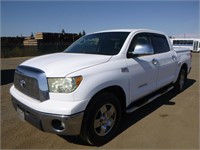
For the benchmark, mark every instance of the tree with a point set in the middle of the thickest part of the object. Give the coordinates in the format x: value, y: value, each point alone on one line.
x: 63, y: 31
x: 83, y: 33
x: 80, y: 34
x: 32, y: 36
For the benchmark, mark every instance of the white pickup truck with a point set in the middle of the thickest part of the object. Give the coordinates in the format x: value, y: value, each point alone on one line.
x: 86, y: 89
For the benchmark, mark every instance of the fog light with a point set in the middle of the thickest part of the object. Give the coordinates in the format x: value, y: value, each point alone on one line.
x: 58, y: 125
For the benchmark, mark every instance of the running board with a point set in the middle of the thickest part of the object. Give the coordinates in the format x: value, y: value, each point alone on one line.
x: 141, y: 102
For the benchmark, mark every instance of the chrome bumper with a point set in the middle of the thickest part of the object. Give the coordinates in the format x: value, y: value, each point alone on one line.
x: 53, y: 123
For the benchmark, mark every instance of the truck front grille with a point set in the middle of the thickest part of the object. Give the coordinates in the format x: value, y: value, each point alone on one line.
x: 27, y: 85
x: 31, y: 82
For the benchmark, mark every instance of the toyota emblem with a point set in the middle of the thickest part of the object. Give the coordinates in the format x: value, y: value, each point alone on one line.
x: 23, y: 83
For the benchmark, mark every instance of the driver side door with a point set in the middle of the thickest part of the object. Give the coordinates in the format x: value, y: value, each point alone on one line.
x: 143, y: 69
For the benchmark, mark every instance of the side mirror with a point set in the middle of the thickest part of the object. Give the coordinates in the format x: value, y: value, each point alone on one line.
x: 140, y: 50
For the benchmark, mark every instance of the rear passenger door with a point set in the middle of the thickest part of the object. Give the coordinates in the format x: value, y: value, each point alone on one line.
x: 166, y: 59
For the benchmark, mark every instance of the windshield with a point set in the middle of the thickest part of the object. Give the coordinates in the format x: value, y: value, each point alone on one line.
x: 108, y: 43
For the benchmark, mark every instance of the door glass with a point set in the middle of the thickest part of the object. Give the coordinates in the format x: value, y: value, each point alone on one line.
x: 141, y: 44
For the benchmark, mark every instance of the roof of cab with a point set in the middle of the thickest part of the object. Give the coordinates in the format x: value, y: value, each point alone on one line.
x: 130, y: 30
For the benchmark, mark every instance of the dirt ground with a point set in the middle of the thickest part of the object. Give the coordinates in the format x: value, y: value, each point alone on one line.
x: 169, y: 122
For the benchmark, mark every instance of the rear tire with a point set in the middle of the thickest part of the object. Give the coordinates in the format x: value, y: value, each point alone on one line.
x: 180, y: 83
x: 101, y: 119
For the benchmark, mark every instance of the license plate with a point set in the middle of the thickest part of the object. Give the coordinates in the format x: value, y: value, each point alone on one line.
x: 20, y: 114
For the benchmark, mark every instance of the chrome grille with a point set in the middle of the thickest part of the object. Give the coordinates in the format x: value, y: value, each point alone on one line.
x: 27, y: 85
x: 32, y: 82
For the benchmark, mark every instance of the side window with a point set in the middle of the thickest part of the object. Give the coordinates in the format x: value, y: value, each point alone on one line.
x: 160, y: 44
x: 141, y: 43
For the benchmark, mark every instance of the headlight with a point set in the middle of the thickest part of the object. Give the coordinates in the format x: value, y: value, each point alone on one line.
x: 64, y: 85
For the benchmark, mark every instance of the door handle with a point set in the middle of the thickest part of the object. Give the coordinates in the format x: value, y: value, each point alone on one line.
x: 154, y: 61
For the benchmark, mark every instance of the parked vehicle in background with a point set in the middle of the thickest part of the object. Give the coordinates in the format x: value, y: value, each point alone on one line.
x: 192, y: 43
x: 86, y: 89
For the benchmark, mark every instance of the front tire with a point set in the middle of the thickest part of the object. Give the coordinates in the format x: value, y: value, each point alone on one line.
x: 101, y: 119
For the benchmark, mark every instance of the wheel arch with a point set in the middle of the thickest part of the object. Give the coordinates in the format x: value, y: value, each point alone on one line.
x: 115, y: 90
x: 184, y: 66
x: 180, y: 81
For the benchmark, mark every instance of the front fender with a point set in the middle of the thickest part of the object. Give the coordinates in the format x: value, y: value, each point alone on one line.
x: 100, y: 77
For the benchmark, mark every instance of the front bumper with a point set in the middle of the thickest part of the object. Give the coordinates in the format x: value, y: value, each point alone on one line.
x: 53, y: 123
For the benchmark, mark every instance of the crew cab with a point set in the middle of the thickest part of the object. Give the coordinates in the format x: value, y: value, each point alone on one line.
x: 86, y: 89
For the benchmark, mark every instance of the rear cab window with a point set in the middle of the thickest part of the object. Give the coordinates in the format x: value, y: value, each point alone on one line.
x: 160, y: 43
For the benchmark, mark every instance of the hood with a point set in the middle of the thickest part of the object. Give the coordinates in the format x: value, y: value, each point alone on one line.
x: 62, y: 64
